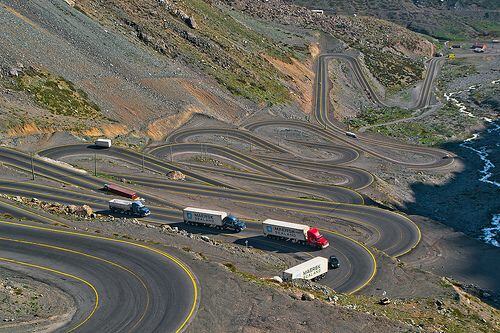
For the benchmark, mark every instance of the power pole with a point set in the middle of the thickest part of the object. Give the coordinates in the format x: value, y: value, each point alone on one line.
x: 143, y: 161
x: 95, y: 164
x: 32, y: 168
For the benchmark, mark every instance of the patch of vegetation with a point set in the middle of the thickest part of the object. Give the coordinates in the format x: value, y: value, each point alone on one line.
x: 56, y: 94
x: 448, y: 124
x: 378, y: 116
x: 220, y: 46
x: 455, y: 69
x: 491, y: 27
x: 394, y: 72
x: 246, y: 73
x: 422, y: 312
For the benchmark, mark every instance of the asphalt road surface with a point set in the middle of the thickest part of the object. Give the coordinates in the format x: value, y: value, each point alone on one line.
x: 118, y: 286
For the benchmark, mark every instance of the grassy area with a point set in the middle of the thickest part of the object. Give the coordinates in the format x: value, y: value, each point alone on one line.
x: 394, y: 72
x: 378, y: 116
x: 446, y: 125
x: 220, y: 46
x: 247, y: 74
x: 454, y: 317
x: 453, y: 69
x: 492, y: 27
x: 57, y: 95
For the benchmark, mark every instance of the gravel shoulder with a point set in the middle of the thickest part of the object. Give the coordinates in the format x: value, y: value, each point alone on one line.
x: 31, y: 302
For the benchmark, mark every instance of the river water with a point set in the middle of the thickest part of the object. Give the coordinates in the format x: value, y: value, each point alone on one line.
x: 486, y: 146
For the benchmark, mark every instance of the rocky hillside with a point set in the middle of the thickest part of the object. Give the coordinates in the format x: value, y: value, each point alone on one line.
x: 447, y: 19
x: 393, y: 54
x: 133, y: 67
x: 143, y: 68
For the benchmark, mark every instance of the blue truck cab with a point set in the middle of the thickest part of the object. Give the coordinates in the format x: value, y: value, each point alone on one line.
x: 139, y: 209
x: 232, y: 222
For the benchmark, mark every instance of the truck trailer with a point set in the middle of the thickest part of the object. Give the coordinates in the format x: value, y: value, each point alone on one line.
x: 314, y: 269
x: 105, y: 143
x: 294, y: 232
x: 121, y: 191
x: 212, y: 218
x: 134, y: 208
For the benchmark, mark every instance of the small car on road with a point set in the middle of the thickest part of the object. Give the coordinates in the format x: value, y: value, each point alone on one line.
x: 333, y: 262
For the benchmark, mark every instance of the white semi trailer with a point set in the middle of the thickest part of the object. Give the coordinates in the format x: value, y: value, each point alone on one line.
x: 212, y: 218
x: 296, y: 232
x: 135, y: 208
x: 314, y: 269
x: 105, y: 143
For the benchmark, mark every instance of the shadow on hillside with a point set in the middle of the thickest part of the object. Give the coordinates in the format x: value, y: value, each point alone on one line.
x: 466, y: 205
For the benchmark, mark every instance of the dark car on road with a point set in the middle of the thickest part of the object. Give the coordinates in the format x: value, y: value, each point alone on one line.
x: 333, y: 262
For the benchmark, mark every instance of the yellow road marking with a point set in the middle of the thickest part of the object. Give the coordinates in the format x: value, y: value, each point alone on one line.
x: 145, y: 247
x: 92, y: 257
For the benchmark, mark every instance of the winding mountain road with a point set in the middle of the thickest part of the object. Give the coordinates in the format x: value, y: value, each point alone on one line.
x: 132, y: 287
x: 119, y: 286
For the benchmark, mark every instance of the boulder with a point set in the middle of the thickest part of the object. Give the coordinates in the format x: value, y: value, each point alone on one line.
x: 205, y: 238
x: 84, y: 211
x: 176, y: 175
x: 308, y: 297
x: 277, y: 279
x: 15, y: 72
x: 71, y: 209
x: 190, y: 21
x: 384, y: 301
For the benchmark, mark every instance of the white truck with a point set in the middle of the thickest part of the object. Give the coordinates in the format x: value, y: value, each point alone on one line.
x: 351, y: 134
x: 212, y: 218
x: 135, y: 208
x: 295, y: 232
x: 314, y: 269
x: 105, y: 143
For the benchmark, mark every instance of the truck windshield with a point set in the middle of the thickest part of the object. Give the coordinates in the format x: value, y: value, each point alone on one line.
x: 232, y: 219
x: 316, y: 235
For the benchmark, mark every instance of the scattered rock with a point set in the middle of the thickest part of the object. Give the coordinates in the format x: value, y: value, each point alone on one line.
x: 384, y: 301
x: 84, y: 210
x: 172, y: 8
x: 277, y: 279
x: 308, y: 297
x: 15, y: 72
x: 176, y: 175
x: 71, y: 209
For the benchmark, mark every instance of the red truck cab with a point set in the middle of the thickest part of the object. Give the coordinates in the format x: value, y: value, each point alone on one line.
x: 314, y: 238
x: 121, y: 191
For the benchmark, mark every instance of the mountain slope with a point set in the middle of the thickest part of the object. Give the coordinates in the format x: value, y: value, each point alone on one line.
x: 442, y: 19
x: 145, y: 68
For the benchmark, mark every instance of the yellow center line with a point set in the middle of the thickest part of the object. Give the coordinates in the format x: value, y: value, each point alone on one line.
x: 58, y: 248
x: 170, y: 257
